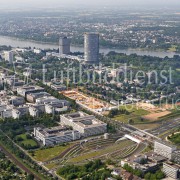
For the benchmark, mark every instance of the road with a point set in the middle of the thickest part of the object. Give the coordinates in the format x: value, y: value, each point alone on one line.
x: 165, y: 126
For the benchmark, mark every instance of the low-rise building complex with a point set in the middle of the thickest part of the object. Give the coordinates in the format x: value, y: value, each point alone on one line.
x: 86, y: 124
x: 55, y: 135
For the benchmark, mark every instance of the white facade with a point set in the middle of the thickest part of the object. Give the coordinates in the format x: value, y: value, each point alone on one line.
x: 19, y: 112
x: 171, y: 170
x: 37, y: 51
x: 132, y: 138
x: 164, y: 149
x: 55, y: 108
x: 9, y: 56
x: 36, y: 110
x: 55, y: 135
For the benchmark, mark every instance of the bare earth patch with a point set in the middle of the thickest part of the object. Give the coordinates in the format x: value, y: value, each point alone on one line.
x: 155, y: 116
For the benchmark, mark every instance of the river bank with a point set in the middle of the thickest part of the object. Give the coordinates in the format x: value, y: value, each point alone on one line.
x: 15, y: 42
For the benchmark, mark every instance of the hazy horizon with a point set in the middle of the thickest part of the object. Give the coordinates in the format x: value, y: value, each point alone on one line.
x: 91, y: 3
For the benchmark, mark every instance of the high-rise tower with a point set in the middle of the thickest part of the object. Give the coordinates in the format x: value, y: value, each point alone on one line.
x: 91, y: 47
x: 64, y: 45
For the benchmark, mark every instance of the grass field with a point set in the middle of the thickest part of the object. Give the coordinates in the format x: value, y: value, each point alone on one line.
x: 27, y: 141
x: 100, y: 152
x: 49, y: 153
x: 135, y: 114
x: 175, y: 138
x: 51, y: 165
x: 147, y: 126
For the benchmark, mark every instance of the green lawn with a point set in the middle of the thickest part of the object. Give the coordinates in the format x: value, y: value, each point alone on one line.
x: 101, y: 152
x: 49, y: 153
x: 175, y: 138
x: 26, y: 141
x: 51, y: 165
x: 135, y: 114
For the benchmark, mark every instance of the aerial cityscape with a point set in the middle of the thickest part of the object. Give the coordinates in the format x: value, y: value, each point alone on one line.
x: 90, y: 90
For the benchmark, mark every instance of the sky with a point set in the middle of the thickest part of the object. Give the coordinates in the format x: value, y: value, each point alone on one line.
x: 90, y: 3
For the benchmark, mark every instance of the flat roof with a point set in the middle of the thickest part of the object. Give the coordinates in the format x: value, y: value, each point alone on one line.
x: 84, y: 120
x: 55, y: 131
x: 166, y: 144
x: 172, y: 164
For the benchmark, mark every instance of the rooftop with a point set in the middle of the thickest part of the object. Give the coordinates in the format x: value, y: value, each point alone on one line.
x: 167, y: 144
x: 83, y: 119
x: 54, y: 131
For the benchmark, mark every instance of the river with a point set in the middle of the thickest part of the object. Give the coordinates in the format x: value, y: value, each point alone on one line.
x: 8, y: 41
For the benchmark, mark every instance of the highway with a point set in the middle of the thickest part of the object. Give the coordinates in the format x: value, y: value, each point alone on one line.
x: 165, y: 126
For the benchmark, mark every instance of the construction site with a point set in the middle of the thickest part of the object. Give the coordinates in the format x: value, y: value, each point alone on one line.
x: 90, y: 103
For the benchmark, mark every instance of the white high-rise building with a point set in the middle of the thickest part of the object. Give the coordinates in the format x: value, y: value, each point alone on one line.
x: 9, y: 56
x: 164, y: 149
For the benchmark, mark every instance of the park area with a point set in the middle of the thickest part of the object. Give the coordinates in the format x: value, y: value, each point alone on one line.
x: 144, y: 115
x: 26, y: 141
x: 86, y: 150
x: 175, y: 138
x: 48, y: 153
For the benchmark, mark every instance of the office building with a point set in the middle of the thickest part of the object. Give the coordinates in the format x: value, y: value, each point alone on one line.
x: 23, y: 91
x: 86, y: 124
x: 91, y: 48
x: 171, y: 170
x: 55, y: 135
x: 17, y: 101
x: 164, y: 149
x: 37, y: 110
x: 58, y: 87
x: 20, y: 112
x: 64, y: 45
x: 176, y: 156
x: 32, y: 97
